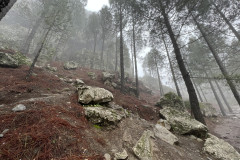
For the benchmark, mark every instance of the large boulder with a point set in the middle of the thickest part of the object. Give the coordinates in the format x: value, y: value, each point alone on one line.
x: 143, y: 149
x: 170, y: 100
x: 182, y: 123
x: 88, y: 94
x: 220, y: 149
x: 7, y: 60
x: 208, y: 110
x: 70, y: 65
x: 103, y: 116
x: 164, y: 134
x: 22, y: 59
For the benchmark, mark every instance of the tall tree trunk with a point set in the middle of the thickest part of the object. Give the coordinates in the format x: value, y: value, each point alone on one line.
x: 203, y: 93
x: 94, y: 52
x: 159, y: 81
x: 223, y: 97
x: 132, y: 57
x: 37, y: 53
x: 199, y: 95
x: 227, y: 21
x: 121, y: 51
x: 219, y: 62
x: 216, y: 96
x: 116, y: 55
x: 103, y: 41
x: 191, y: 91
x: 171, y: 67
x: 135, y: 59
x: 5, y: 6
x: 26, y: 46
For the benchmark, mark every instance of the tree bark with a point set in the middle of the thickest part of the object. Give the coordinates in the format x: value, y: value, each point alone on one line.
x: 228, y: 22
x: 219, y: 62
x: 37, y: 53
x: 135, y: 59
x: 191, y: 91
x: 94, y: 51
x: 121, y: 51
x: 199, y: 95
x: 116, y: 55
x: 216, y: 96
x: 171, y: 67
x: 5, y: 6
x: 103, y: 41
x: 203, y: 93
x: 159, y: 81
x: 26, y: 46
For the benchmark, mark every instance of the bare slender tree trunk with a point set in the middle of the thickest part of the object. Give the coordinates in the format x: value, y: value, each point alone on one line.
x: 103, y: 41
x: 159, y: 81
x: 26, y: 46
x: 121, y: 51
x: 37, y: 53
x: 135, y: 59
x: 94, y: 52
x: 219, y: 62
x: 227, y: 21
x: 199, y: 95
x: 5, y: 6
x: 191, y: 91
x: 216, y: 96
x: 171, y: 67
x: 203, y: 93
x: 116, y: 56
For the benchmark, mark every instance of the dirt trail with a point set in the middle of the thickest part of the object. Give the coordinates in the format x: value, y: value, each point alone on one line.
x: 227, y: 127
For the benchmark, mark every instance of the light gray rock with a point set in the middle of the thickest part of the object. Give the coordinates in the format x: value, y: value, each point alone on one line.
x: 114, y: 85
x: 19, y: 107
x: 79, y: 82
x: 53, y: 69
x: 121, y: 155
x: 164, y: 134
x: 5, y: 131
x: 144, y: 147
x: 88, y: 94
x: 208, y: 110
x: 70, y: 65
x: 92, y: 75
x: 220, y: 149
x: 1, y: 135
x: 103, y: 115
x: 7, y: 60
x: 182, y: 123
x: 164, y: 123
x: 107, y: 156
x: 108, y: 76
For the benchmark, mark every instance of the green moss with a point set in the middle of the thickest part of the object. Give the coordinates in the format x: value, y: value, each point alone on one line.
x: 22, y: 60
x: 97, y: 126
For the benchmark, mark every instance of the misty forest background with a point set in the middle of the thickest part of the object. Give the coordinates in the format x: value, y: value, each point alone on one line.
x: 180, y: 44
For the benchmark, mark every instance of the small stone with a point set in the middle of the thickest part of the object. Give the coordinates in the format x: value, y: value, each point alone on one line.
x: 107, y: 156
x: 121, y: 155
x: 2, y: 105
x: 192, y: 137
x: 5, y: 131
x: 79, y: 82
x: 19, y: 107
x: 1, y: 135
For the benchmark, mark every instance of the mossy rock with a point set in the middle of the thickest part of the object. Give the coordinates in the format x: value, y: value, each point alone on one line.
x: 22, y: 59
x: 170, y: 99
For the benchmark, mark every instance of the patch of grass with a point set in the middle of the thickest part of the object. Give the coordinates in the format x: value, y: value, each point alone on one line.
x: 97, y: 126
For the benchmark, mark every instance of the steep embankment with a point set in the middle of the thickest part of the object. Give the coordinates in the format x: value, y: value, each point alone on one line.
x: 54, y: 125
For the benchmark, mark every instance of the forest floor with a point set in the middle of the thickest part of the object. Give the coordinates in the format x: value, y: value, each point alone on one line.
x: 54, y: 126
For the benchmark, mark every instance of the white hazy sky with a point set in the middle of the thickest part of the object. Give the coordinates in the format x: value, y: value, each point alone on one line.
x: 96, y: 5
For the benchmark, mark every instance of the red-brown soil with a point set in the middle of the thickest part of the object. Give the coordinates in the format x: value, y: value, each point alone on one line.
x: 54, y: 127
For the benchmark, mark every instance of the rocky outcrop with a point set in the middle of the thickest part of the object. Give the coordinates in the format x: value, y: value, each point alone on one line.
x: 164, y: 134
x: 182, y: 123
x: 220, y: 149
x: 144, y: 146
x: 70, y: 65
x: 88, y: 94
x: 107, y: 76
x: 121, y: 155
x: 208, y: 110
x: 170, y: 100
x: 7, y: 60
x: 104, y: 116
